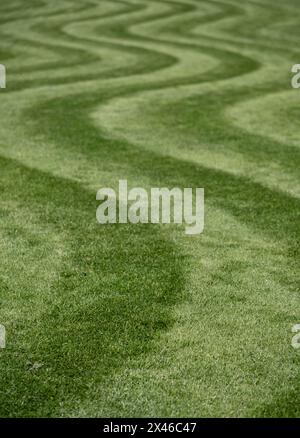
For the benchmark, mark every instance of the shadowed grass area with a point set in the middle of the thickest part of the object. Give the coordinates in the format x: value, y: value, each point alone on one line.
x: 127, y: 320
x: 104, y: 294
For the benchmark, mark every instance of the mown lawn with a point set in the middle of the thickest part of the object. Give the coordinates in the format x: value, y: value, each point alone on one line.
x: 142, y: 320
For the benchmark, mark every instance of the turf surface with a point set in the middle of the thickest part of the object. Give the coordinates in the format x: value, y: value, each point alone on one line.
x: 130, y: 320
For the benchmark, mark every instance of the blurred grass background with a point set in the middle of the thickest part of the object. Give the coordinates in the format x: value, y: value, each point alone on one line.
x: 130, y: 320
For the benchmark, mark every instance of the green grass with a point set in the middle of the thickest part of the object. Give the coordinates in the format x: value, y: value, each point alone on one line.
x: 142, y: 320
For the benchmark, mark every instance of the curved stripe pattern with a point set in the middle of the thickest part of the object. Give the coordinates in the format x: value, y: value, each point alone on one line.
x: 141, y: 320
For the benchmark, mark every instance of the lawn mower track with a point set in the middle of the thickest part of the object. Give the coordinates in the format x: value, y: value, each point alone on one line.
x: 111, y: 294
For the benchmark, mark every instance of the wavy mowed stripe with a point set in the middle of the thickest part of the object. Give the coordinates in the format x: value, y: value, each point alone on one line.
x: 141, y: 320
